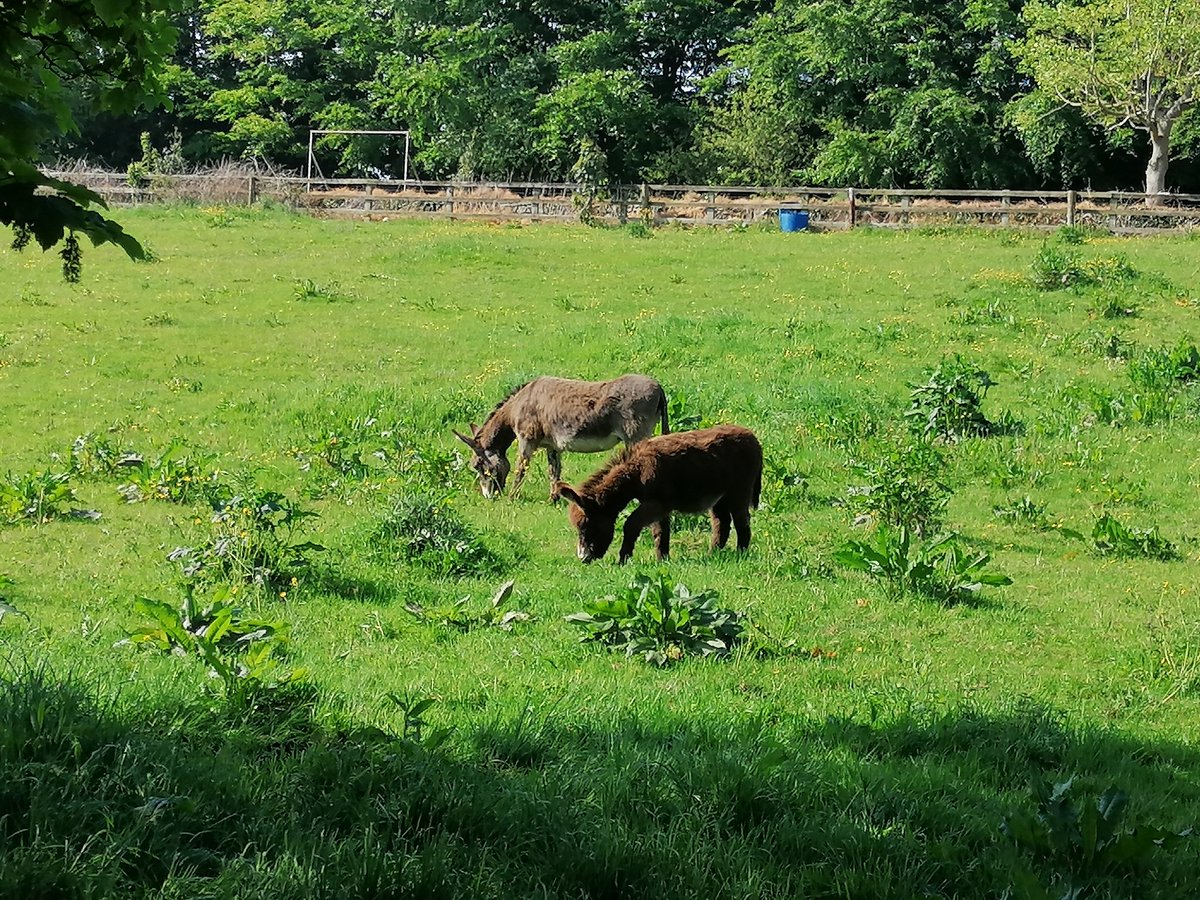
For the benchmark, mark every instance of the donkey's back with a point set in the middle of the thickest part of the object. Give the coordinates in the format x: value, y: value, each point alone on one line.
x: 588, y: 416
x: 692, y: 471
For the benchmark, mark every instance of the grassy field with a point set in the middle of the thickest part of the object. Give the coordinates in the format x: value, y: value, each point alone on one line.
x: 382, y: 740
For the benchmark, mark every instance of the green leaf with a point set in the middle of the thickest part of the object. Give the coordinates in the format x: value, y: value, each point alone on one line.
x: 993, y: 578
x: 503, y: 593
x: 7, y: 608
x: 110, y: 11
x: 419, y: 707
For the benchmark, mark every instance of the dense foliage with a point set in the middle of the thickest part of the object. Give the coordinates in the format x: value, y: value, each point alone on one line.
x: 922, y: 93
x: 59, y: 56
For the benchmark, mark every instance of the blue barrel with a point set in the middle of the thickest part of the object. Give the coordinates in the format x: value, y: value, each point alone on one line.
x: 793, y: 219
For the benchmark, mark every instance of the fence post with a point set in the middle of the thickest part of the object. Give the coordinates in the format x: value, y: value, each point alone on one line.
x: 251, y: 190
x: 622, y: 204
x: 1005, y: 203
x: 1112, y: 212
x: 853, y: 207
x: 449, y: 206
x: 905, y: 203
x: 710, y: 213
x: 1070, y: 209
x: 647, y: 211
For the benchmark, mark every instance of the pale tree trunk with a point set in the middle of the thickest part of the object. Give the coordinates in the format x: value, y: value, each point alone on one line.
x: 1160, y: 158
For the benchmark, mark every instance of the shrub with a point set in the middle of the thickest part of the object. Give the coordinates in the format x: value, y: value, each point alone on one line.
x: 660, y: 624
x: 38, y: 497
x: 242, y: 651
x: 786, y: 482
x: 362, y: 447
x: 1163, y: 369
x: 1024, y: 510
x: 1076, y: 234
x: 251, y: 541
x: 306, y: 289
x: 1081, y: 840
x: 92, y: 456
x: 941, y: 568
x: 682, y: 414
x: 1111, y: 538
x: 427, y: 532
x: 413, y: 736
x: 1055, y: 267
x: 1108, y: 270
x: 177, y: 476
x: 1112, y: 305
x: 1107, y: 345
x: 903, y: 488
x: 948, y: 405
x: 457, y: 617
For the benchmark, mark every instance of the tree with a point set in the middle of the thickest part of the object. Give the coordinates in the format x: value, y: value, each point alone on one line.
x: 872, y: 92
x: 1119, y: 62
x: 554, y: 88
x: 249, y: 79
x: 465, y: 88
x: 112, y: 48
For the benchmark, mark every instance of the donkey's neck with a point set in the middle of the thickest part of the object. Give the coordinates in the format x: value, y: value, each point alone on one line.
x: 497, y: 433
x: 616, y: 488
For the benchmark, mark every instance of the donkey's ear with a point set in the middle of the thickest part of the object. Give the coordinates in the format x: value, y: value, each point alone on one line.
x: 474, y: 430
x: 470, y: 442
x: 562, y: 489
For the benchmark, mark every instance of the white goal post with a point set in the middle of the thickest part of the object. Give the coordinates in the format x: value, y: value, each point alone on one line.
x: 313, y: 133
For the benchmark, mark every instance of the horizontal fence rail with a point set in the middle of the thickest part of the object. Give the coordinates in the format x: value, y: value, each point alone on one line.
x: 659, y: 204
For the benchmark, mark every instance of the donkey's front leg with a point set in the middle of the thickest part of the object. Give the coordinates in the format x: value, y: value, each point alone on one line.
x: 646, y: 514
x: 524, y: 454
x: 554, y: 458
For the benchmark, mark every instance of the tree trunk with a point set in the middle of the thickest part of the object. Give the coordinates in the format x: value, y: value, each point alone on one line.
x: 1160, y: 158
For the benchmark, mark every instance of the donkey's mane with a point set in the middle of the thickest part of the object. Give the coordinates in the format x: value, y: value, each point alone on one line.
x: 593, y: 481
x: 507, y: 397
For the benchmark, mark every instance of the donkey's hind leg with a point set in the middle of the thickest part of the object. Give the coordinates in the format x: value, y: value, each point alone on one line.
x: 554, y: 459
x: 661, y: 532
x: 741, y: 521
x: 721, y: 518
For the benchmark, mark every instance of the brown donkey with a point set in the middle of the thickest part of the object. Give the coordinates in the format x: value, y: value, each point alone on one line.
x: 559, y: 414
x: 717, y: 469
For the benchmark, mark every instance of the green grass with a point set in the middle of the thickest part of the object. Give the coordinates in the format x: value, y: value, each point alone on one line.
x: 854, y: 746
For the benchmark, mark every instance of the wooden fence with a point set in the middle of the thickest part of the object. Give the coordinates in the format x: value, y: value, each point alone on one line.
x: 656, y: 204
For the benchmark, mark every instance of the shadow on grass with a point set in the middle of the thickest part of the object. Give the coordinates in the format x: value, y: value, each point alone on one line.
x: 334, y: 579
x: 264, y: 800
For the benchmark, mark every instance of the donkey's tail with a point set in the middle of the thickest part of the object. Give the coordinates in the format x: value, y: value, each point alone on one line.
x: 662, y: 411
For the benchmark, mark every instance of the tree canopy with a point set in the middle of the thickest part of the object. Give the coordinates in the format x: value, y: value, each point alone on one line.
x: 1120, y: 62
x: 932, y: 93
x: 103, y: 51
x: 873, y: 92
